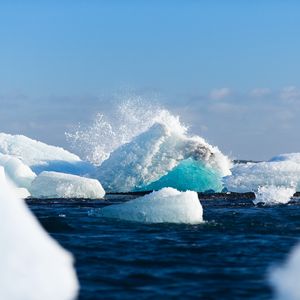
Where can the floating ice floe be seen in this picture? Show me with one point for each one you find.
(21, 175)
(280, 171)
(285, 279)
(33, 265)
(60, 185)
(167, 205)
(270, 195)
(42, 157)
(164, 156)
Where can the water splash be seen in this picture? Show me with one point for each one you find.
(129, 118)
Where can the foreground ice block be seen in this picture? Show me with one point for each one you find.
(60, 185)
(42, 157)
(164, 156)
(281, 171)
(167, 205)
(285, 279)
(33, 265)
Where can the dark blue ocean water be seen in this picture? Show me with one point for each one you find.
(228, 257)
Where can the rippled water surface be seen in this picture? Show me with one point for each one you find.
(227, 257)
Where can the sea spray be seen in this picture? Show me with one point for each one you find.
(129, 118)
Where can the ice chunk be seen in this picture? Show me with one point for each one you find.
(42, 157)
(281, 171)
(285, 279)
(22, 193)
(158, 151)
(60, 185)
(17, 171)
(33, 265)
(167, 205)
(270, 195)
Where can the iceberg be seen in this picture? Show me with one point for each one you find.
(285, 279)
(166, 205)
(270, 195)
(60, 185)
(33, 265)
(164, 156)
(42, 157)
(281, 171)
(21, 175)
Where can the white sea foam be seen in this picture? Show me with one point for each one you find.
(270, 195)
(167, 205)
(33, 265)
(285, 279)
(60, 185)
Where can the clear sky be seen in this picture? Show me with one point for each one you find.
(231, 69)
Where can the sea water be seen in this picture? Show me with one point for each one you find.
(229, 256)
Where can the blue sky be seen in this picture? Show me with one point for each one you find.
(229, 68)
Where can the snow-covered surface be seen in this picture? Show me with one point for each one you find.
(285, 279)
(157, 151)
(60, 185)
(167, 205)
(33, 265)
(17, 171)
(42, 157)
(281, 171)
(270, 195)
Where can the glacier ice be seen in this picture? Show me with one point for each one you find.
(17, 171)
(166, 205)
(60, 185)
(33, 265)
(281, 171)
(270, 195)
(285, 279)
(42, 157)
(164, 150)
